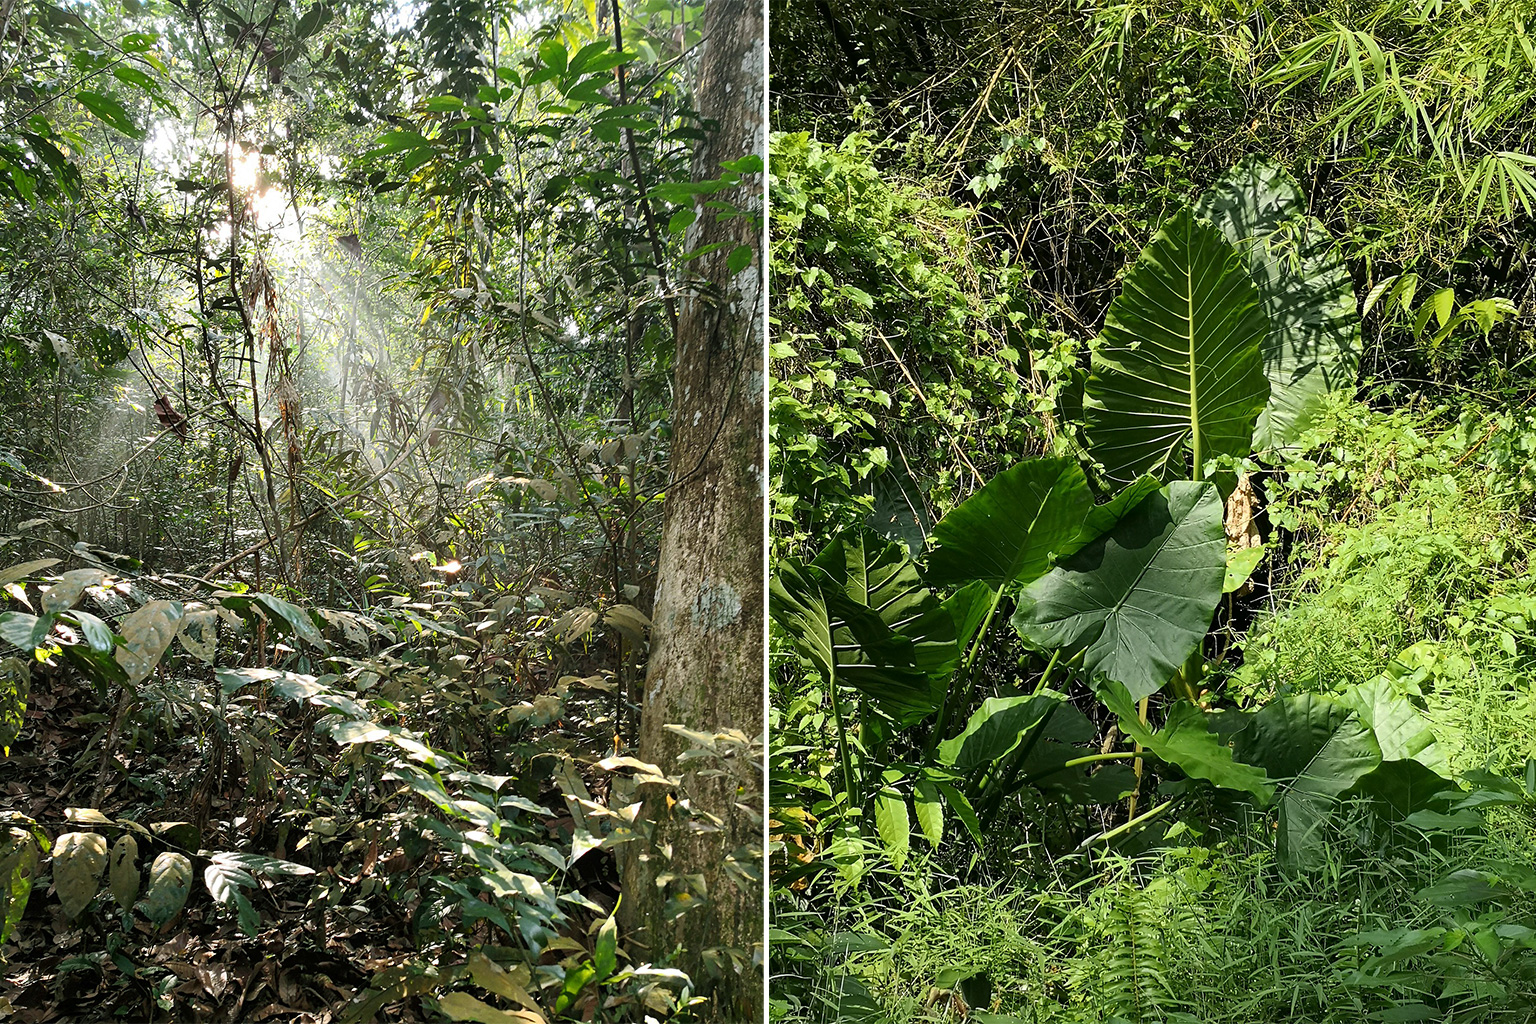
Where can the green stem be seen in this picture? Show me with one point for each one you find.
(1045, 677)
(947, 711)
(1135, 822)
(842, 748)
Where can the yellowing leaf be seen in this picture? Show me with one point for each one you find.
(78, 861)
(492, 977)
(123, 874)
(463, 1006)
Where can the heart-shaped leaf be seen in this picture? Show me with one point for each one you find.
(1136, 602)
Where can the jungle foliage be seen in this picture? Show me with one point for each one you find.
(337, 347)
(1151, 516)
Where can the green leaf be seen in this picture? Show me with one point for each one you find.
(314, 20)
(1179, 370)
(1186, 740)
(1136, 602)
(739, 259)
(79, 858)
(930, 811)
(110, 111)
(170, 881)
(25, 631)
(893, 824)
(995, 729)
(61, 597)
(860, 614)
(18, 861)
(1316, 749)
(1400, 730)
(1313, 344)
(605, 951)
(296, 620)
(1006, 533)
(25, 569)
(146, 634)
(1240, 566)
(554, 55)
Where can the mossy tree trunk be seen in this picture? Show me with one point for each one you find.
(706, 666)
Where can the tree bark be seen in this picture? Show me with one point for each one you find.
(706, 666)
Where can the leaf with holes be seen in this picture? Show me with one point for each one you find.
(146, 634)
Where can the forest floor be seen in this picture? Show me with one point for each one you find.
(361, 935)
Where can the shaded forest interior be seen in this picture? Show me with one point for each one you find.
(343, 346)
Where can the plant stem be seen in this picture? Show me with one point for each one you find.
(842, 748)
(947, 711)
(1120, 830)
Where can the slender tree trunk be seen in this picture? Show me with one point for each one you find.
(706, 667)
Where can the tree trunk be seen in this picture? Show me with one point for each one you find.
(706, 666)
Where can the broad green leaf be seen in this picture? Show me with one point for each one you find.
(1179, 371)
(554, 55)
(123, 871)
(995, 729)
(1404, 788)
(1005, 534)
(292, 619)
(61, 597)
(930, 811)
(314, 19)
(110, 111)
(1400, 730)
(79, 858)
(18, 861)
(893, 824)
(25, 569)
(1136, 602)
(25, 631)
(860, 614)
(1186, 740)
(1316, 749)
(146, 634)
(98, 635)
(605, 951)
(1313, 343)
(199, 634)
(170, 881)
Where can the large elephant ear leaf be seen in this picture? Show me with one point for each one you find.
(1313, 344)
(1179, 375)
(861, 616)
(1005, 533)
(1317, 749)
(1138, 600)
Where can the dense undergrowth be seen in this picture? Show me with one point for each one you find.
(1324, 807)
(337, 357)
